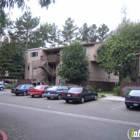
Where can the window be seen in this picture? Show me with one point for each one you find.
(34, 54)
(28, 68)
(65, 88)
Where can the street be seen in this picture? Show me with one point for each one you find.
(26, 118)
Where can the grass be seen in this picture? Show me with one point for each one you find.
(101, 95)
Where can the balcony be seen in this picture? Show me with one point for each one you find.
(53, 58)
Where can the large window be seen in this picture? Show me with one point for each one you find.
(34, 54)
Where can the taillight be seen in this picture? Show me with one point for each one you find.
(74, 95)
(63, 94)
(127, 98)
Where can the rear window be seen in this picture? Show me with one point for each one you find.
(135, 93)
(21, 86)
(38, 87)
(76, 90)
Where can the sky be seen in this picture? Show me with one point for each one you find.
(85, 11)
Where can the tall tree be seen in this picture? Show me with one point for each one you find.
(84, 31)
(117, 53)
(24, 28)
(21, 4)
(102, 32)
(93, 33)
(69, 31)
(74, 62)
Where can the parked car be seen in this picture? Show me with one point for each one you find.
(56, 91)
(133, 99)
(38, 90)
(80, 94)
(2, 87)
(22, 89)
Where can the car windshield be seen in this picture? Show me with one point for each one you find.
(20, 86)
(76, 90)
(135, 93)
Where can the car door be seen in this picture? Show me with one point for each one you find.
(59, 90)
(91, 94)
(86, 94)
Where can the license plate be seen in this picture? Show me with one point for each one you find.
(135, 104)
(68, 94)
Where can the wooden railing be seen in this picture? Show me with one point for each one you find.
(53, 58)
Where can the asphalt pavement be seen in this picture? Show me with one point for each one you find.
(26, 118)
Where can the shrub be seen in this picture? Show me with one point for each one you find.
(101, 95)
(11, 85)
(127, 89)
(91, 87)
(117, 90)
(99, 90)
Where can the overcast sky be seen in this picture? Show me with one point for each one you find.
(85, 11)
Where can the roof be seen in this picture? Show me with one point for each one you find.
(137, 54)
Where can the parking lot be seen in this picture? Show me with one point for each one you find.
(105, 112)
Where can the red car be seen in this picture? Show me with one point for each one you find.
(38, 90)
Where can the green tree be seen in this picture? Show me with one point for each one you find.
(12, 63)
(69, 31)
(116, 55)
(74, 62)
(93, 33)
(21, 4)
(24, 28)
(102, 32)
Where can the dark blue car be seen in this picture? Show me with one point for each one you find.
(22, 89)
(133, 99)
(56, 91)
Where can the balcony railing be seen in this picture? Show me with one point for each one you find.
(53, 58)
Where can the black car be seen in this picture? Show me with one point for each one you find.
(22, 89)
(79, 94)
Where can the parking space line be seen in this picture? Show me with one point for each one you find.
(116, 107)
(73, 115)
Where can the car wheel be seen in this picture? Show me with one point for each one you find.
(59, 97)
(33, 96)
(48, 97)
(24, 93)
(95, 97)
(67, 101)
(82, 100)
(42, 95)
(1, 89)
(128, 106)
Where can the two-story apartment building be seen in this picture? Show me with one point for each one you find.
(41, 65)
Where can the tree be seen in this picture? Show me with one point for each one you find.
(74, 62)
(84, 31)
(93, 33)
(102, 32)
(116, 55)
(70, 31)
(12, 63)
(21, 4)
(24, 28)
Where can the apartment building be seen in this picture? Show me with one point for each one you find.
(41, 65)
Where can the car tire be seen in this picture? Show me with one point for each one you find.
(59, 97)
(24, 93)
(67, 101)
(48, 97)
(42, 95)
(1, 89)
(95, 97)
(82, 100)
(128, 106)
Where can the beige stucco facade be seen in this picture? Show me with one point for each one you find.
(41, 65)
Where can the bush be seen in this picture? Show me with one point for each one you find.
(11, 85)
(91, 87)
(127, 89)
(117, 90)
(101, 95)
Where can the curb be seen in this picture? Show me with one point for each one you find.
(3, 135)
